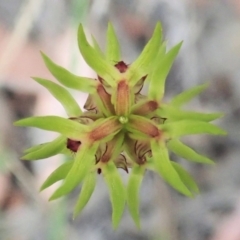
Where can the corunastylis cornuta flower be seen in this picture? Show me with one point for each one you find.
(120, 127)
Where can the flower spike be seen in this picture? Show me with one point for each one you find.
(120, 128)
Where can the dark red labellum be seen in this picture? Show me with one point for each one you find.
(121, 66)
(73, 145)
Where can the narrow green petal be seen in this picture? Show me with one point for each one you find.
(188, 127)
(186, 178)
(41, 146)
(97, 48)
(133, 188)
(87, 189)
(161, 54)
(35, 148)
(68, 79)
(116, 190)
(83, 162)
(142, 66)
(47, 149)
(172, 113)
(166, 170)
(103, 68)
(57, 175)
(68, 128)
(63, 96)
(113, 52)
(187, 95)
(159, 75)
(186, 152)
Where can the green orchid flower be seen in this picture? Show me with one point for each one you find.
(120, 127)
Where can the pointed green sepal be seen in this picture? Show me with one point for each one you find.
(97, 47)
(116, 190)
(173, 114)
(35, 148)
(160, 55)
(113, 52)
(160, 72)
(83, 162)
(143, 64)
(186, 178)
(68, 79)
(166, 170)
(187, 95)
(68, 128)
(47, 149)
(87, 189)
(184, 151)
(189, 127)
(133, 188)
(57, 175)
(63, 96)
(103, 68)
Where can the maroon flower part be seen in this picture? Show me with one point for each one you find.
(138, 87)
(73, 145)
(105, 99)
(121, 66)
(121, 162)
(143, 151)
(139, 150)
(90, 104)
(111, 151)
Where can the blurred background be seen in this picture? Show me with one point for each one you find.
(210, 53)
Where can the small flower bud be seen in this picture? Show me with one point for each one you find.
(106, 99)
(123, 98)
(107, 128)
(143, 125)
(145, 108)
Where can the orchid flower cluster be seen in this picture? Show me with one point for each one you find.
(120, 127)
